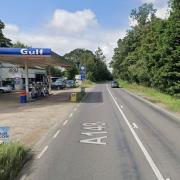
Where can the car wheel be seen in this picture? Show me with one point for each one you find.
(1, 91)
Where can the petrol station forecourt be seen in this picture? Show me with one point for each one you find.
(32, 58)
(30, 122)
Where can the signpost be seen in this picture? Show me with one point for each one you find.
(4, 134)
(83, 73)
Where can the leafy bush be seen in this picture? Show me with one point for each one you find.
(12, 158)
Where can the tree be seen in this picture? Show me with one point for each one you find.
(144, 14)
(54, 71)
(4, 42)
(149, 53)
(169, 72)
(19, 44)
(96, 69)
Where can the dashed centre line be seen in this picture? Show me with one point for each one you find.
(56, 134)
(65, 122)
(42, 152)
(70, 115)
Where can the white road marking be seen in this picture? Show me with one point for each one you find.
(168, 179)
(96, 128)
(42, 152)
(56, 134)
(95, 140)
(65, 122)
(23, 177)
(92, 133)
(143, 149)
(135, 126)
(70, 115)
(121, 106)
(94, 124)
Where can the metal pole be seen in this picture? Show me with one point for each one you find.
(26, 79)
(49, 74)
(0, 74)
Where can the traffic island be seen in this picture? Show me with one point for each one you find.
(13, 156)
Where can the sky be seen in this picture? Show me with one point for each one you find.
(64, 25)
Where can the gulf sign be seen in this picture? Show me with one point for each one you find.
(25, 51)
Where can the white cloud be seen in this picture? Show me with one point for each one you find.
(161, 6)
(62, 42)
(11, 29)
(132, 22)
(163, 12)
(72, 22)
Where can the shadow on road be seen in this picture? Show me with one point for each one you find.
(93, 97)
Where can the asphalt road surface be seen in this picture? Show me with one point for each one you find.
(111, 136)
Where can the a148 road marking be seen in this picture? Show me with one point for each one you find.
(94, 132)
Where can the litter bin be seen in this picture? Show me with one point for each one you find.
(23, 97)
(73, 97)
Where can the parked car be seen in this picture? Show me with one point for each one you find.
(114, 84)
(5, 89)
(58, 84)
(70, 84)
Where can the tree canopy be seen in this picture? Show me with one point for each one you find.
(149, 54)
(96, 68)
(4, 42)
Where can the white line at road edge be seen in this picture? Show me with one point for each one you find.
(42, 152)
(145, 152)
(65, 122)
(56, 134)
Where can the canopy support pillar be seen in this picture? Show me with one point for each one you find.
(26, 80)
(49, 74)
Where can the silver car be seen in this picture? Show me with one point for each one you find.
(5, 89)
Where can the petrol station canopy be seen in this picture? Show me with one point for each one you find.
(34, 57)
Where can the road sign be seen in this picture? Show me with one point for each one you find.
(83, 72)
(26, 51)
(4, 134)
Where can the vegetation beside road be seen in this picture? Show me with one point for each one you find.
(12, 158)
(87, 83)
(94, 63)
(153, 95)
(149, 53)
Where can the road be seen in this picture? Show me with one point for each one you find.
(111, 135)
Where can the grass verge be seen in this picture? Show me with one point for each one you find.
(153, 95)
(87, 83)
(12, 158)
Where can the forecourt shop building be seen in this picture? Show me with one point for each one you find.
(31, 58)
